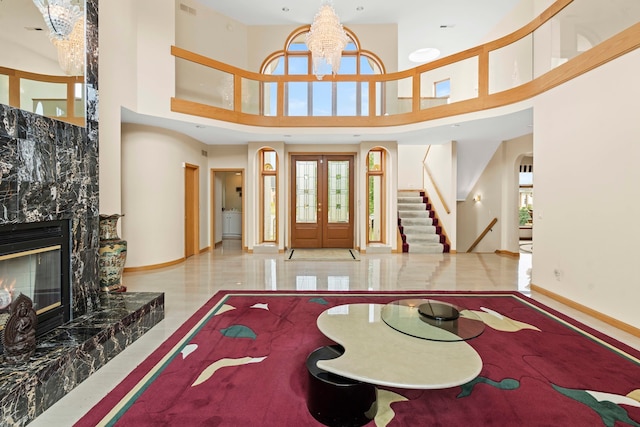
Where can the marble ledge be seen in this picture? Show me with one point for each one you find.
(72, 352)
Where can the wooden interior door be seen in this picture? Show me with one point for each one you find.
(322, 201)
(191, 211)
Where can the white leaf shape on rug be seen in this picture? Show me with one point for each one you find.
(495, 313)
(188, 349)
(385, 414)
(613, 398)
(501, 322)
(264, 306)
(224, 309)
(223, 363)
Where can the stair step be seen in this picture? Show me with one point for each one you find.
(435, 248)
(419, 229)
(407, 222)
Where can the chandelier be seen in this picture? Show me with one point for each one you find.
(326, 40)
(60, 16)
(71, 50)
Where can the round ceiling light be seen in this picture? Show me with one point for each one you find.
(424, 55)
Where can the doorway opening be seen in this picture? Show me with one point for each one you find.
(227, 206)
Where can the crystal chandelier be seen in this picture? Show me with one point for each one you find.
(326, 40)
(60, 16)
(71, 50)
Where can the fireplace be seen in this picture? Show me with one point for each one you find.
(35, 261)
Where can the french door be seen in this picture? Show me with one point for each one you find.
(322, 201)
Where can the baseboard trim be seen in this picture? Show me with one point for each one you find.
(586, 310)
(204, 250)
(153, 267)
(508, 253)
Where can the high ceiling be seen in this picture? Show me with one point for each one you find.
(420, 22)
(450, 26)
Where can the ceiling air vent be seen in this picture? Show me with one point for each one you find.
(187, 9)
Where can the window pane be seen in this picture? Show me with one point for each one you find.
(275, 67)
(297, 99)
(347, 98)
(443, 88)
(375, 208)
(375, 160)
(368, 66)
(347, 65)
(306, 191)
(338, 191)
(351, 46)
(269, 208)
(322, 96)
(298, 65)
(269, 160)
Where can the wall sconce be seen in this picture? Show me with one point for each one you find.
(477, 198)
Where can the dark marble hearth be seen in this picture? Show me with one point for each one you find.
(72, 352)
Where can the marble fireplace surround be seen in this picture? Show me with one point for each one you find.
(49, 171)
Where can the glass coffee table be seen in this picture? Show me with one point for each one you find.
(432, 320)
(390, 345)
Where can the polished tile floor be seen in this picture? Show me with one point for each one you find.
(189, 285)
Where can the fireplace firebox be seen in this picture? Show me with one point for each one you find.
(35, 260)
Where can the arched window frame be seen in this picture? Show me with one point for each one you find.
(287, 55)
(268, 171)
(376, 171)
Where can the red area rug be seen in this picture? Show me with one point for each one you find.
(240, 360)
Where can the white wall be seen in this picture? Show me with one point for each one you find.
(586, 179)
(153, 193)
(117, 68)
(498, 190)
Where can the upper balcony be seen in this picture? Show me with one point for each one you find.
(567, 40)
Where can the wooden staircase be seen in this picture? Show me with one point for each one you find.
(418, 226)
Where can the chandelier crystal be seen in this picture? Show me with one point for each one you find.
(60, 16)
(326, 40)
(71, 51)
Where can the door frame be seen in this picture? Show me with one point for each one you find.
(352, 184)
(216, 214)
(191, 210)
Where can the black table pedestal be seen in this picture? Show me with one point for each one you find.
(334, 400)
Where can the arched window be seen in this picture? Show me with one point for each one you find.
(320, 98)
(268, 195)
(375, 192)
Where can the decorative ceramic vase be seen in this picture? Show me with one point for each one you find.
(112, 254)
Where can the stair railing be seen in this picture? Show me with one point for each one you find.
(433, 182)
(484, 233)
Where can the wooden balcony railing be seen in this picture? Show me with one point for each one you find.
(252, 96)
(27, 90)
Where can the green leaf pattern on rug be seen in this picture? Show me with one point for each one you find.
(320, 301)
(238, 331)
(609, 412)
(505, 384)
